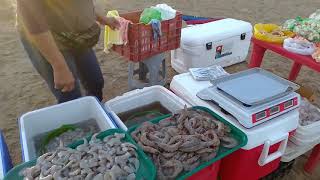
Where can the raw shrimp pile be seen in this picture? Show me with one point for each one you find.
(183, 141)
(109, 159)
(308, 113)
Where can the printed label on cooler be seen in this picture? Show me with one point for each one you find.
(224, 49)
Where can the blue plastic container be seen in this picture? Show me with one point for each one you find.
(5, 160)
(192, 18)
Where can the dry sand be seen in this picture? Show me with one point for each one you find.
(23, 90)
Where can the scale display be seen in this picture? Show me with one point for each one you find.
(274, 110)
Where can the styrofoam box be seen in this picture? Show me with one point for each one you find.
(224, 42)
(186, 87)
(141, 97)
(50, 118)
(293, 151)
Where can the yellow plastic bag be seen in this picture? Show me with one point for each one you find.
(271, 33)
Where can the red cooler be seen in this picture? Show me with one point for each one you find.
(266, 142)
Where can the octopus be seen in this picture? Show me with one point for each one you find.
(106, 159)
(183, 141)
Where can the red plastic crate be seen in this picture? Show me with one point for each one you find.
(141, 44)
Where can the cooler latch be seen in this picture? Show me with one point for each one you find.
(243, 36)
(209, 46)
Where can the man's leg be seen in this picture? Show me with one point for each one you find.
(45, 70)
(90, 73)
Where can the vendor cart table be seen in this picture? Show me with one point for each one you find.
(258, 50)
(260, 47)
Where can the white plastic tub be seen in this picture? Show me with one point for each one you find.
(50, 118)
(293, 151)
(304, 141)
(141, 97)
(309, 134)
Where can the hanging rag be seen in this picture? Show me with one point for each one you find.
(118, 36)
(156, 27)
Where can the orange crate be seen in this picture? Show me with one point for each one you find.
(141, 44)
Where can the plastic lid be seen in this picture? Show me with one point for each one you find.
(200, 34)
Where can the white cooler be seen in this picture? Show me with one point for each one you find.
(223, 42)
(44, 120)
(266, 142)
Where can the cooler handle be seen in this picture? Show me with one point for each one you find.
(265, 157)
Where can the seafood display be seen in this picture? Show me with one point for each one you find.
(182, 142)
(107, 159)
(308, 113)
(49, 142)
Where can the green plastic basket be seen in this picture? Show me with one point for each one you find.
(235, 133)
(146, 170)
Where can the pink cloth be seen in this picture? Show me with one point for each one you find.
(124, 27)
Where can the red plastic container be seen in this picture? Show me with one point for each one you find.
(209, 173)
(248, 161)
(141, 44)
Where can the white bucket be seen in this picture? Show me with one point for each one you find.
(49, 118)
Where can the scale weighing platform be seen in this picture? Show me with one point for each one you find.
(253, 96)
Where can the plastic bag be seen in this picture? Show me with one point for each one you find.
(299, 46)
(209, 73)
(271, 33)
(167, 12)
(315, 15)
(306, 27)
(148, 14)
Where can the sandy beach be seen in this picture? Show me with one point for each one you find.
(22, 89)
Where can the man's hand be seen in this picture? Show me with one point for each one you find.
(63, 79)
(112, 22)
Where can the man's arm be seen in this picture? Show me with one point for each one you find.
(63, 78)
(32, 16)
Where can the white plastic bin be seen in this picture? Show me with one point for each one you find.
(141, 97)
(309, 134)
(224, 42)
(293, 151)
(5, 160)
(306, 140)
(50, 118)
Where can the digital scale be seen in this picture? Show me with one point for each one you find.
(252, 96)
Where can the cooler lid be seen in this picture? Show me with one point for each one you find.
(214, 31)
